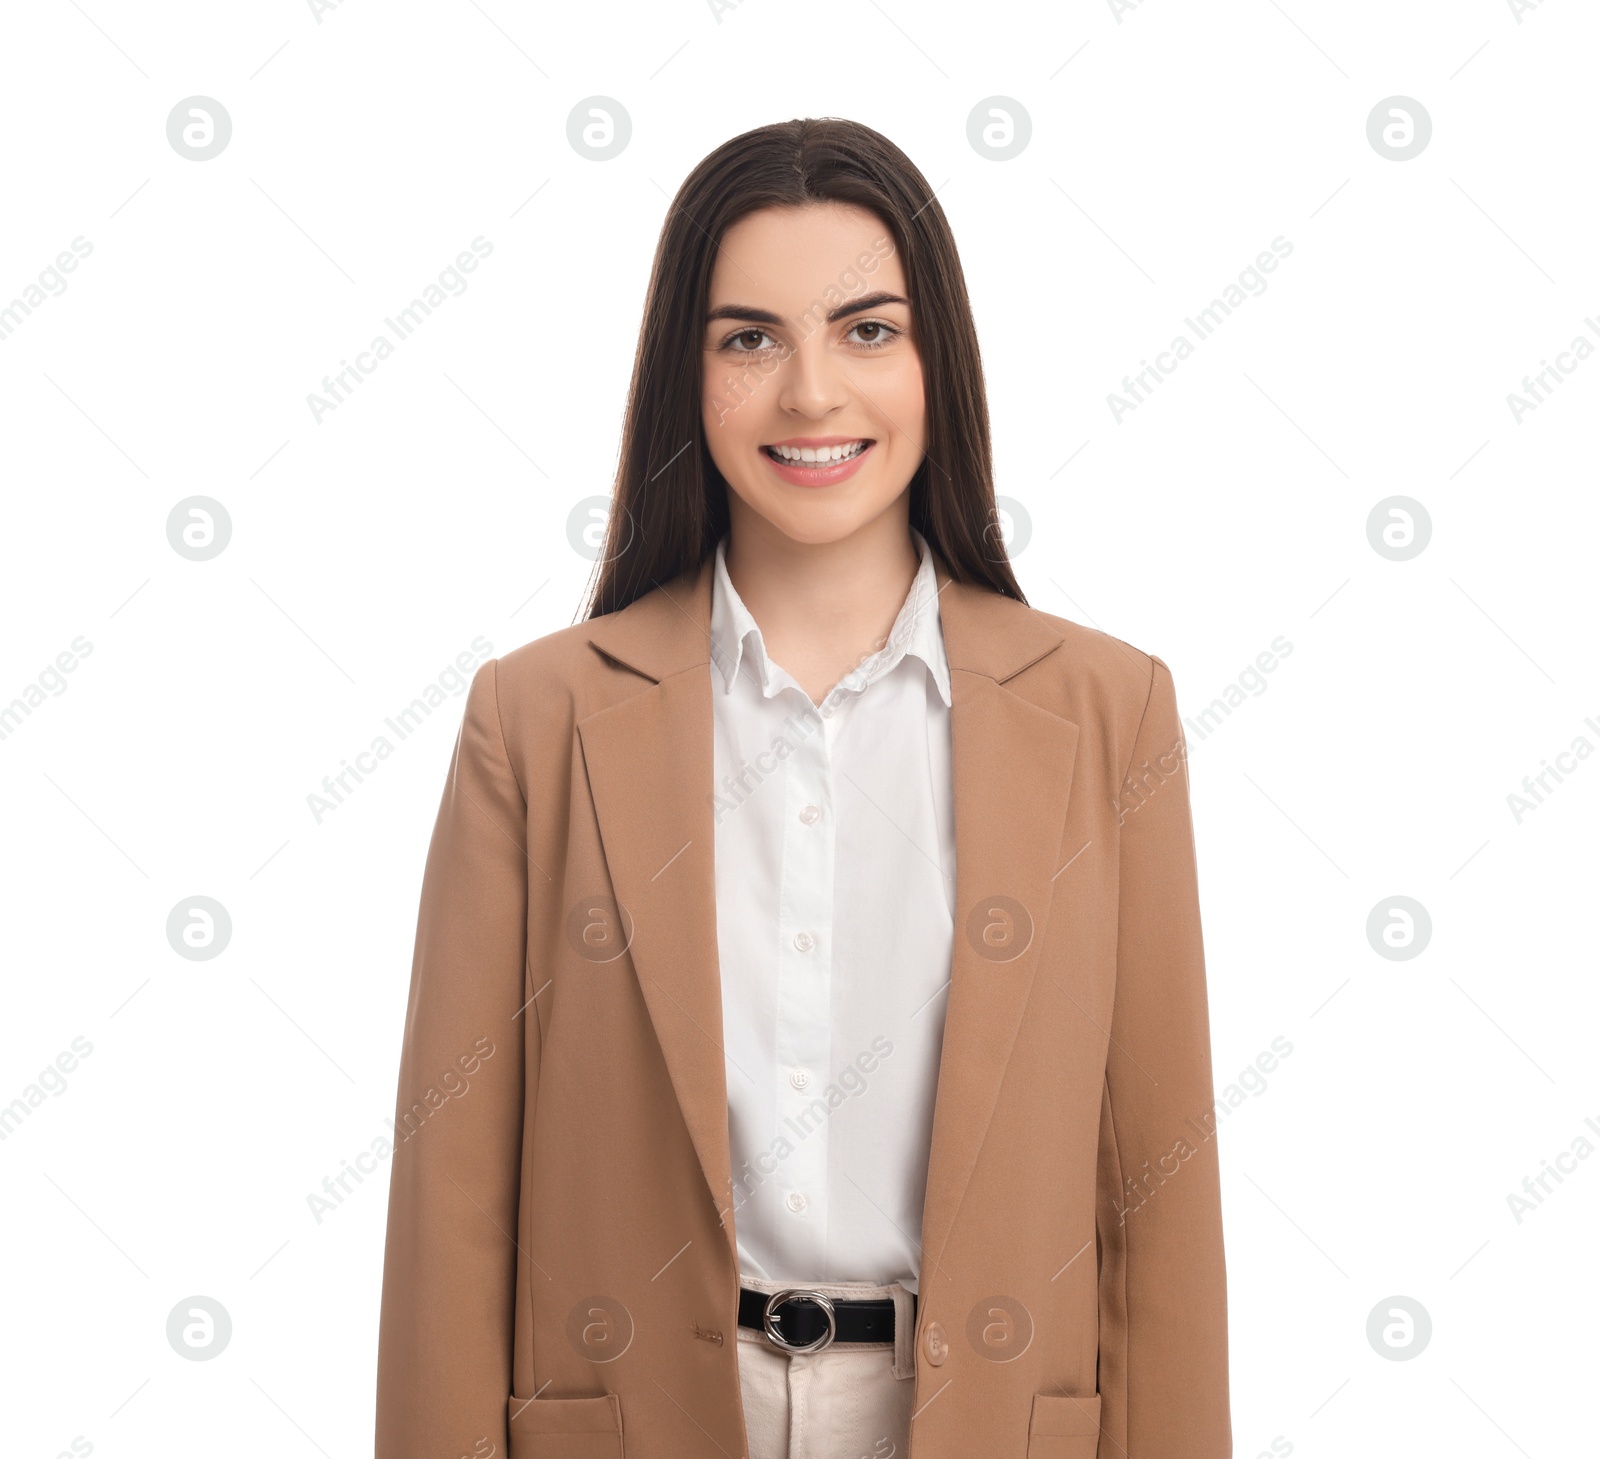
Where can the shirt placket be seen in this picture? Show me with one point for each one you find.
(804, 1049)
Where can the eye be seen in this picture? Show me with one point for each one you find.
(739, 342)
(878, 333)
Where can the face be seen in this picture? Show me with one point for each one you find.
(811, 380)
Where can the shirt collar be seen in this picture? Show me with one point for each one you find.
(916, 633)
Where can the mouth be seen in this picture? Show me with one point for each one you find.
(819, 464)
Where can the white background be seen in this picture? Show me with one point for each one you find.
(1170, 146)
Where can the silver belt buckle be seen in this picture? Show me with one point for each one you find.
(769, 1319)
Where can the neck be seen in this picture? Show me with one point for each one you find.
(822, 606)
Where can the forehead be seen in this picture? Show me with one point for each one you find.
(784, 259)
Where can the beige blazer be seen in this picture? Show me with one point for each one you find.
(560, 1279)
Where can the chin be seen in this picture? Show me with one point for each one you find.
(817, 534)
(817, 523)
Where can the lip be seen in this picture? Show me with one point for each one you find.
(798, 473)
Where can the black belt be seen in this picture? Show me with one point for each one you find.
(805, 1321)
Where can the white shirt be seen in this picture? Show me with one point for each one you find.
(835, 877)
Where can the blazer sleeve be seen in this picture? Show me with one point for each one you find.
(1163, 1289)
(449, 1271)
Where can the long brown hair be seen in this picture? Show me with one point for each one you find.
(669, 506)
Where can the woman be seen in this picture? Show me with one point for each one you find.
(830, 918)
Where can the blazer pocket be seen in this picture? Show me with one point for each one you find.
(566, 1428)
(1064, 1426)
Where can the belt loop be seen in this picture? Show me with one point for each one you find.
(905, 1333)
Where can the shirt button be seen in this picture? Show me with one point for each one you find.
(804, 941)
(810, 816)
(799, 1078)
(934, 1344)
(797, 1202)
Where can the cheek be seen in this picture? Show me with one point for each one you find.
(721, 414)
(719, 425)
(910, 403)
(710, 410)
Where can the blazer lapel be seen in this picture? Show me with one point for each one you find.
(1011, 767)
(649, 762)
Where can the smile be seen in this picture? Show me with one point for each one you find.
(820, 465)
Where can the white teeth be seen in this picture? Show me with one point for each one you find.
(818, 454)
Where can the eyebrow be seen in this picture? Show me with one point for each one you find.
(751, 315)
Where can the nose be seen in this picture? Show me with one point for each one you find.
(812, 381)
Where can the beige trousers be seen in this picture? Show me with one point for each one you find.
(852, 1400)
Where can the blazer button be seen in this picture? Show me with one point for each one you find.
(934, 1344)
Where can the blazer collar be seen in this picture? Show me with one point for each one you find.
(668, 630)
